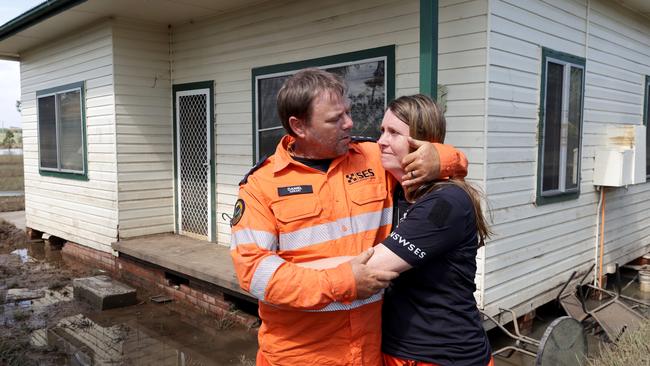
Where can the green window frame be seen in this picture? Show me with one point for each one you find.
(646, 119)
(267, 80)
(61, 131)
(561, 117)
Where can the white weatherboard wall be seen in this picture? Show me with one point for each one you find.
(81, 211)
(462, 48)
(144, 128)
(226, 48)
(536, 248)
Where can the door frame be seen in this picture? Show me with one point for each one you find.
(212, 219)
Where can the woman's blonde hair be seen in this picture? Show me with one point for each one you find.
(427, 122)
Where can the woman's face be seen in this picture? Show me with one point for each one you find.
(393, 144)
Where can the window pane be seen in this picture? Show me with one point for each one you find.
(267, 98)
(70, 131)
(573, 132)
(268, 140)
(47, 132)
(366, 91)
(552, 126)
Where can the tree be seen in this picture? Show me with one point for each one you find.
(8, 141)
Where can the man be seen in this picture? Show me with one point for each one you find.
(320, 195)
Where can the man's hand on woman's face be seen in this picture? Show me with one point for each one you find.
(422, 165)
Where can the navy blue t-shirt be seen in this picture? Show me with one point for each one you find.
(429, 311)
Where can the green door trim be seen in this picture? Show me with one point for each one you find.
(429, 48)
(213, 214)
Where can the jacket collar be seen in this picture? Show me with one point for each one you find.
(283, 158)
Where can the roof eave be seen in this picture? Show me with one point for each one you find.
(35, 16)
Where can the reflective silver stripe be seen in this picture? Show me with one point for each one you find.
(337, 306)
(334, 230)
(263, 239)
(263, 274)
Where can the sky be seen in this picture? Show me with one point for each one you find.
(10, 70)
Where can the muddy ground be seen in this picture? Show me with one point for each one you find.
(20, 319)
(42, 324)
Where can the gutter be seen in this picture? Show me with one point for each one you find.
(36, 15)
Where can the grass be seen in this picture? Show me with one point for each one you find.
(632, 349)
(8, 204)
(11, 179)
(11, 176)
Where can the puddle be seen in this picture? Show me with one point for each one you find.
(149, 335)
(23, 254)
(55, 329)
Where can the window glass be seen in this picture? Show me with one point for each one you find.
(560, 128)
(552, 126)
(71, 142)
(47, 131)
(61, 130)
(366, 81)
(268, 90)
(269, 140)
(573, 128)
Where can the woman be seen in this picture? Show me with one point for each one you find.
(430, 315)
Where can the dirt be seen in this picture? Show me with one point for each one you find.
(52, 328)
(20, 320)
(10, 236)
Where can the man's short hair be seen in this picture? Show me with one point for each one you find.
(298, 92)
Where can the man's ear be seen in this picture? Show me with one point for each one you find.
(297, 126)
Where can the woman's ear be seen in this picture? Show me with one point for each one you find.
(297, 126)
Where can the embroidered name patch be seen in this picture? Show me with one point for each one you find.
(288, 191)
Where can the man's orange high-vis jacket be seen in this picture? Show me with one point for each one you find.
(289, 213)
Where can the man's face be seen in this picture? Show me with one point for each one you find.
(327, 134)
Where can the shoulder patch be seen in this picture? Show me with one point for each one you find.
(363, 139)
(253, 169)
(440, 212)
(240, 206)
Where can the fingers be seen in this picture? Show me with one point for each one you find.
(415, 143)
(363, 257)
(385, 276)
(411, 180)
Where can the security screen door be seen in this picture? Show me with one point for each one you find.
(193, 163)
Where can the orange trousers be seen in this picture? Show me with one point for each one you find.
(394, 361)
(388, 360)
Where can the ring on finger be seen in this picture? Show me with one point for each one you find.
(413, 174)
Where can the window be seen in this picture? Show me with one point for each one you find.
(369, 74)
(646, 119)
(61, 131)
(560, 124)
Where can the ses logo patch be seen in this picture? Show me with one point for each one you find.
(359, 176)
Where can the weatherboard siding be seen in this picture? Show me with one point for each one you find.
(535, 248)
(226, 48)
(81, 211)
(143, 110)
(462, 49)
